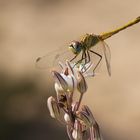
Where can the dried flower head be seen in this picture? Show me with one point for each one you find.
(79, 121)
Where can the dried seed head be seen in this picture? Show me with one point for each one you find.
(53, 107)
(81, 125)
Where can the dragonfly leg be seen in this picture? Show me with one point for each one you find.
(83, 57)
(88, 57)
(98, 61)
(87, 60)
(73, 58)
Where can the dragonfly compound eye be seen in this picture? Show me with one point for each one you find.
(75, 47)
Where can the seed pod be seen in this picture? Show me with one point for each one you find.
(81, 85)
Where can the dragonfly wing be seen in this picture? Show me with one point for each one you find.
(101, 49)
(107, 55)
(48, 61)
(52, 59)
(96, 53)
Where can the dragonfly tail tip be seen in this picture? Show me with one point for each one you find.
(38, 59)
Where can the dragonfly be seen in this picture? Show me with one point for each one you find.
(82, 50)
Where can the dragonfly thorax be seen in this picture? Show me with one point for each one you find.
(90, 40)
(87, 41)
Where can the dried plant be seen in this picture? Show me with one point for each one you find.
(78, 119)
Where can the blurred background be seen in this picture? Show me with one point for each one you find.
(31, 28)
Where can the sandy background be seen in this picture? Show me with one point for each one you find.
(30, 28)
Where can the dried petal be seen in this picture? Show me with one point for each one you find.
(53, 107)
(69, 132)
(64, 97)
(67, 118)
(86, 135)
(88, 111)
(74, 106)
(77, 131)
(61, 95)
(95, 130)
(83, 117)
(61, 80)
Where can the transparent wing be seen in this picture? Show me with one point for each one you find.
(48, 60)
(101, 49)
(107, 55)
(52, 59)
(96, 53)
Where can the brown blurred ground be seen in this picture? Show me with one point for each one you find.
(30, 28)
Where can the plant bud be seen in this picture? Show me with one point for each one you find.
(81, 85)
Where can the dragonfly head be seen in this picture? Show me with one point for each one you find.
(75, 47)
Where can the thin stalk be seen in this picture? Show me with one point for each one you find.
(80, 99)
